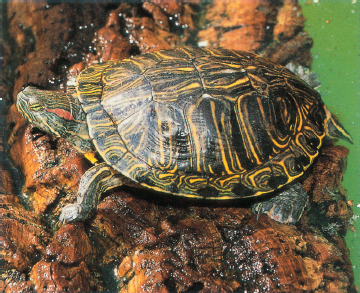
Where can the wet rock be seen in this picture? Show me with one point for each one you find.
(132, 29)
(47, 38)
(38, 70)
(323, 178)
(160, 19)
(289, 22)
(55, 277)
(70, 245)
(7, 186)
(238, 25)
(329, 210)
(16, 282)
(296, 50)
(147, 33)
(51, 168)
(111, 45)
(214, 249)
(24, 235)
(163, 271)
(273, 31)
(138, 228)
(181, 18)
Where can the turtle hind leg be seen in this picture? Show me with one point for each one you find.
(93, 183)
(286, 207)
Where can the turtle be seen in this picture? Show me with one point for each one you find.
(212, 124)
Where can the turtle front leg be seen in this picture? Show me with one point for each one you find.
(286, 207)
(93, 183)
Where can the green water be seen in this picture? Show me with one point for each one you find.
(335, 29)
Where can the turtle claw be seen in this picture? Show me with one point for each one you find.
(72, 213)
(258, 210)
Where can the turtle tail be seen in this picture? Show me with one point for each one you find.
(334, 129)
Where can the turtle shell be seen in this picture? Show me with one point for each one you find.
(209, 123)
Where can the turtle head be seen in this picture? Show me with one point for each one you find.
(56, 113)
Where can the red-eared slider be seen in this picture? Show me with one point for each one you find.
(203, 123)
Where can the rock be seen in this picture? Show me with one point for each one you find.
(50, 36)
(273, 31)
(55, 277)
(296, 50)
(238, 25)
(70, 245)
(111, 45)
(16, 282)
(24, 235)
(290, 21)
(51, 167)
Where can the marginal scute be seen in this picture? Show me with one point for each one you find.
(144, 178)
(172, 188)
(241, 190)
(276, 181)
(208, 192)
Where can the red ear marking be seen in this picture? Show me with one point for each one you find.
(62, 113)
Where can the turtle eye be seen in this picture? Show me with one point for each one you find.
(36, 105)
